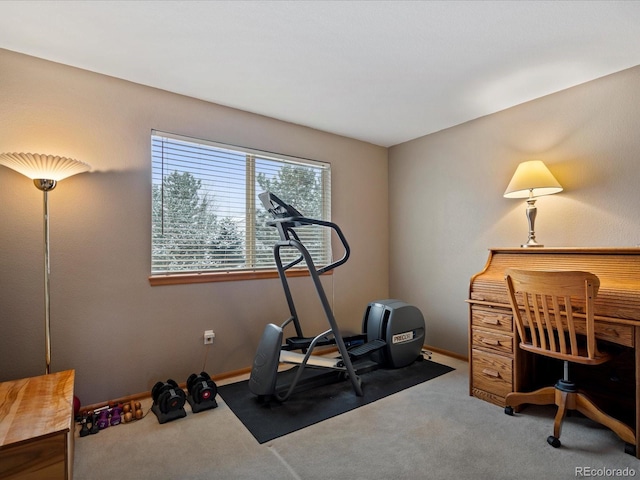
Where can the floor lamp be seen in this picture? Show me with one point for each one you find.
(45, 171)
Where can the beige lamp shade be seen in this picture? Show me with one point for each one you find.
(532, 178)
(37, 166)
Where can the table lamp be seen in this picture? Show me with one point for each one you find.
(532, 179)
(45, 171)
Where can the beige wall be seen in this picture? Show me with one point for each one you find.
(445, 192)
(420, 238)
(120, 334)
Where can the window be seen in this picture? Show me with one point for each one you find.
(206, 214)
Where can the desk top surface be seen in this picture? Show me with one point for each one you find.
(617, 267)
(576, 250)
(35, 407)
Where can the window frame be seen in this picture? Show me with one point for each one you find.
(248, 273)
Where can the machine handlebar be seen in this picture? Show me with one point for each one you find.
(286, 218)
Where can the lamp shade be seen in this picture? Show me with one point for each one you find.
(37, 166)
(532, 178)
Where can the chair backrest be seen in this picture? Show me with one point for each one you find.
(553, 311)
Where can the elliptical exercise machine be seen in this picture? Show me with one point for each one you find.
(393, 331)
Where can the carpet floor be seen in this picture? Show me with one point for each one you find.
(433, 431)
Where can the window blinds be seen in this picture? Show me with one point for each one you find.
(206, 214)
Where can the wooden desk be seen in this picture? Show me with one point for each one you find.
(37, 427)
(498, 366)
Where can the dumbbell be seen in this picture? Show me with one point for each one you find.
(202, 392)
(132, 411)
(103, 419)
(201, 387)
(116, 415)
(168, 396)
(92, 422)
(84, 430)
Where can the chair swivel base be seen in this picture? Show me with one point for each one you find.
(566, 386)
(567, 398)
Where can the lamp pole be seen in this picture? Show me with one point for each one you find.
(532, 210)
(46, 186)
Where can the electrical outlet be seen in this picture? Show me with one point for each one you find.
(208, 337)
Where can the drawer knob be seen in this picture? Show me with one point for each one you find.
(491, 373)
(490, 341)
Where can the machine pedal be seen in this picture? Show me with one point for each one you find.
(300, 343)
(366, 348)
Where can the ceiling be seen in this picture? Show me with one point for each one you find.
(384, 72)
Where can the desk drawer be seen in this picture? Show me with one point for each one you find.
(496, 319)
(610, 332)
(492, 373)
(496, 342)
(620, 334)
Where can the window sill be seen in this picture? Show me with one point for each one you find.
(207, 277)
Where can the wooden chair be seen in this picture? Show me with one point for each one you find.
(550, 309)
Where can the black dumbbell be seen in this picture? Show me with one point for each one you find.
(201, 387)
(168, 396)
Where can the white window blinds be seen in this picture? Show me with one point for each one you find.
(206, 214)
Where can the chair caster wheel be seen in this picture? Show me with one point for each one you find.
(508, 410)
(630, 449)
(553, 441)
